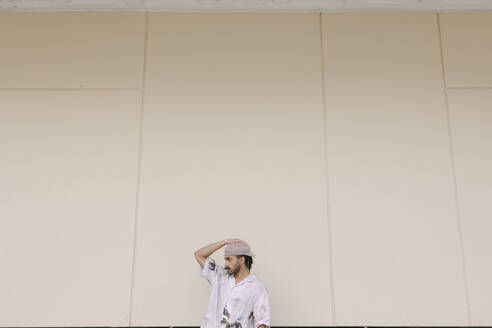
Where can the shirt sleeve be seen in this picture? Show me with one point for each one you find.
(211, 271)
(261, 310)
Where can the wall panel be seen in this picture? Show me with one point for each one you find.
(396, 253)
(471, 126)
(467, 48)
(232, 147)
(69, 174)
(71, 50)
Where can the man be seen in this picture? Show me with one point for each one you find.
(238, 298)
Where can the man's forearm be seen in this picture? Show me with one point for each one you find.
(208, 250)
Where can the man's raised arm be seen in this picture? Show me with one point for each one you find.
(204, 252)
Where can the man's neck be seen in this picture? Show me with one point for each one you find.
(241, 275)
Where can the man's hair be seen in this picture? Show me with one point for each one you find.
(248, 260)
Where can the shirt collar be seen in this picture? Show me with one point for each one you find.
(250, 278)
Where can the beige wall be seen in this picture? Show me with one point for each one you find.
(351, 150)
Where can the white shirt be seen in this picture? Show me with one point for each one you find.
(245, 305)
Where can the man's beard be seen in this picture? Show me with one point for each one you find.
(232, 271)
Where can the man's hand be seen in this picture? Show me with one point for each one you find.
(235, 240)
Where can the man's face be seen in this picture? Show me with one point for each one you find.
(232, 265)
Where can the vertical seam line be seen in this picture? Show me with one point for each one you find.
(453, 167)
(325, 148)
(137, 195)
